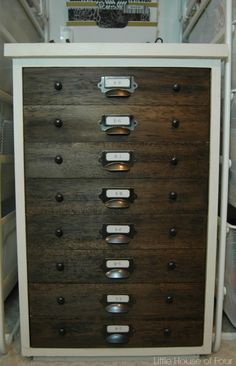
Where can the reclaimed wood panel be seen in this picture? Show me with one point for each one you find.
(154, 123)
(148, 160)
(88, 266)
(81, 196)
(87, 302)
(161, 265)
(79, 86)
(151, 232)
(45, 333)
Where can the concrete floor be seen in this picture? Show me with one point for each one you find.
(226, 356)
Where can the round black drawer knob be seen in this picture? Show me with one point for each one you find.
(59, 197)
(171, 266)
(60, 267)
(61, 300)
(175, 123)
(169, 299)
(167, 332)
(174, 161)
(61, 331)
(173, 196)
(58, 85)
(59, 232)
(58, 159)
(176, 87)
(58, 123)
(173, 231)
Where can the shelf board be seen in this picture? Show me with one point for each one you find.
(110, 50)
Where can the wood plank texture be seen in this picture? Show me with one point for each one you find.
(73, 265)
(44, 333)
(84, 232)
(83, 160)
(81, 196)
(88, 266)
(154, 123)
(87, 302)
(79, 86)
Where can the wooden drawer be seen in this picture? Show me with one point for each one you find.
(96, 232)
(82, 196)
(154, 124)
(98, 266)
(73, 334)
(116, 160)
(87, 302)
(79, 86)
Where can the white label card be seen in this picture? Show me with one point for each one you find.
(118, 156)
(117, 82)
(118, 329)
(117, 193)
(117, 120)
(114, 229)
(117, 263)
(118, 298)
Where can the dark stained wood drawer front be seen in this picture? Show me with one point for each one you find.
(79, 86)
(106, 160)
(71, 334)
(62, 124)
(82, 196)
(96, 165)
(97, 266)
(147, 232)
(87, 302)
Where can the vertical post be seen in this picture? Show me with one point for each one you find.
(45, 9)
(2, 315)
(224, 181)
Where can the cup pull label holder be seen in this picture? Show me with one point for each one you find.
(109, 156)
(119, 124)
(117, 193)
(117, 304)
(108, 83)
(118, 329)
(117, 198)
(118, 268)
(118, 334)
(109, 300)
(117, 161)
(122, 229)
(117, 299)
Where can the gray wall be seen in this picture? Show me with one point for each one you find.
(14, 19)
(168, 28)
(211, 23)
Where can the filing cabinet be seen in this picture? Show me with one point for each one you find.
(109, 178)
(120, 181)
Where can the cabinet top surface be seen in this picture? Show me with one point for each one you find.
(130, 50)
